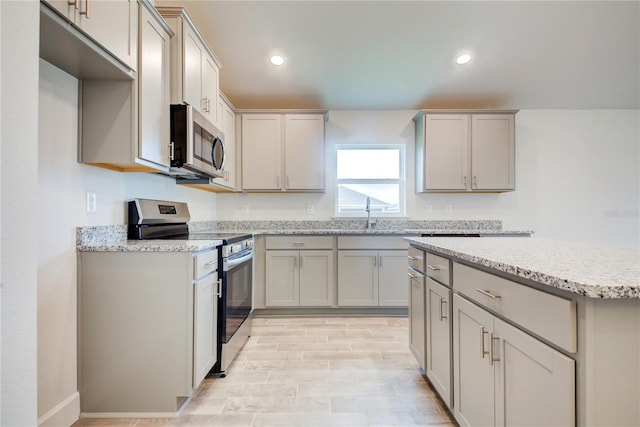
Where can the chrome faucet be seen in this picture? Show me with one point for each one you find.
(370, 224)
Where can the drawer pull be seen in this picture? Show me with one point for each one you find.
(434, 268)
(210, 263)
(442, 315)
(414, 258)
(483, 352)
(298, 243)
(492, 357)
(417, 274)
(488, 293)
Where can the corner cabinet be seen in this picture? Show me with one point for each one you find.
(464, 150)
(125, 124)
(283, 152)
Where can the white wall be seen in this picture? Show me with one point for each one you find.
(19, 110)
(577, 176)
(62, 187)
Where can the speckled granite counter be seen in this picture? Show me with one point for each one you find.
(590, 270)
(114, 237)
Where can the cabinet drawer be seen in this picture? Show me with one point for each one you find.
(551, 317)
(299, 242)
(205, 263)
(416, 258)
(437, 267)
(372, 242)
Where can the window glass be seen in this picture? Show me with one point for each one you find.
(370, 171)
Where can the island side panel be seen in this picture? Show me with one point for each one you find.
(608, 369)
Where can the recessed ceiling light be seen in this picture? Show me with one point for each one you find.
(277, 60)
(463, 59)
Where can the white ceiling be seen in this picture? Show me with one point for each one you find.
(368, 55)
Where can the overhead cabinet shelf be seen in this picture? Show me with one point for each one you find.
(465, 151)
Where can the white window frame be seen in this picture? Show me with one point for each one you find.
(401, 181)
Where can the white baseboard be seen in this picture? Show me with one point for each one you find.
(63, 414)
(129, 415)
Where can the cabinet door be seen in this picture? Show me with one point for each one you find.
(282, 279)
(304, 151)
(438, 337)
(228, 127)
(204, 327)
(392, 291)
(316, 278)
(261, 161)
(493, 151)
(446, 163)
(472, 369)
(358, 278)
(192, 72)
(535, 384)
(113, 24)
(153, 86)
(209, 88)
(417, 319)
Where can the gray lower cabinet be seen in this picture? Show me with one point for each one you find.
(438, 339)
(299, 278)
(299, 271)
(504, 376)
(146, 329)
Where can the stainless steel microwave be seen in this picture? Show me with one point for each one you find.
(197, 146)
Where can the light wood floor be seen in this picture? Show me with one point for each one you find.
(314, 371)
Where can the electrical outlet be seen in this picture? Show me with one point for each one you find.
(245, 209)
(311, 209)
(448, 209)
(92, 202)
(428, 209)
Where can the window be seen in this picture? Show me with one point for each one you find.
(373, 171)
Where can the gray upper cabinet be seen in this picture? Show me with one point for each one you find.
(460, 150)
(125, 124)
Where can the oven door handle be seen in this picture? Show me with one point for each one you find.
(233, 262)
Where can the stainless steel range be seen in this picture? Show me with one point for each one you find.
(158, 219)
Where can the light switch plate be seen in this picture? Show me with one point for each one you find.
(92, 202)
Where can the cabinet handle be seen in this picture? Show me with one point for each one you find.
(278, 181)
(488, 293)
(172, 150)
(86, 9)
(492, 357)
(287, 181)
(380, 263)
(73, 3)
(375, 261)
(411, 275)
(464, 179)
(418, 274)
(475, 182)
(414, 258)
(204, 104)
(211, 263)
(483, 352)
(208, 105)
(444, 316)
(301, 262)
(219, 293)
(433, 268)
(298, 243)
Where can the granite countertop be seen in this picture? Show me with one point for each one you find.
(584, 269)
(150, 246)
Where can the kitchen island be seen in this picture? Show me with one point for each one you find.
(540, 331)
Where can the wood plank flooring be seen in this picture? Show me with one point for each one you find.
(314, 371)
